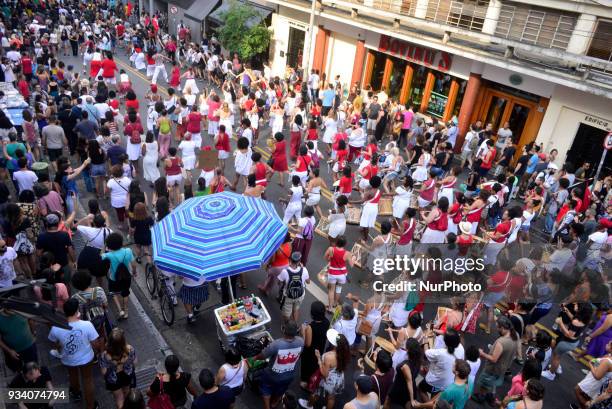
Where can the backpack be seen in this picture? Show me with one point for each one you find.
(308, 231)
(92, 312)
(295, 286)
(473, 145)
(135, 136)
(315, 159)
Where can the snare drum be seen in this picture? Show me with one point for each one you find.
(353, 215)
(385, 206)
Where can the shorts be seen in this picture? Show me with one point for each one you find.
(490, 381)
(271, 387)
(111, 81)
(98, 170)
(338, 279)
(54, 154)
(391, 175)
(120, 287)
(490, 299)
(123, 381)
(564, 347)
(371, 126)
(537, 314)
(121, 214)
(174, 180)
(291, 304)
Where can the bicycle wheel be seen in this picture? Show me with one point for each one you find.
(167, 308)
(151, 280)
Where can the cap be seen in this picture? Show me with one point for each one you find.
(296, 256)
(52, 219)
(332, 336)
(153, 87)
(465, 227)
(364, 383)
(605, 223)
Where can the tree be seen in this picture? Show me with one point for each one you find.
(236, 35)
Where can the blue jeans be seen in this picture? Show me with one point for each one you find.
(89, 183)
(71, 199)
(492, 221)
(549, 222)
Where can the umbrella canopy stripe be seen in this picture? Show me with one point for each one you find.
(217, 235)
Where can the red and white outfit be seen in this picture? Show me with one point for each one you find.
(174, 174)
(404, 244)
(447, 191)
(454, 217)
(370, 211)
(302, 169)
(260, 174)
(336, 271)
(427, 194)
(473, 217)
(108, 71)
(371, 171)
(223, 145)
(436, 229)
(504, 229)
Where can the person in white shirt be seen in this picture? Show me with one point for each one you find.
(294, 206)
(188, 155)
(119, 186)
(7, 270)
(242, 161)
(24, 177)
(75, 348)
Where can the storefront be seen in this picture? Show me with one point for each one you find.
(433, 81)
(576, 124)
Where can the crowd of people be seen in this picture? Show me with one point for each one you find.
(538, 231)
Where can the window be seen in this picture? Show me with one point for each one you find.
(468, 14)
(601, 46)
(536, 25)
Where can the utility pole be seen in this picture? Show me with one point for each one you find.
(307, 51)
(151, 7)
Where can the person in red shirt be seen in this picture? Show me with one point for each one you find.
(120, 30)
(487, 160)
(108, 70)
(496, 288)
(26, 66)
(222, 145)
(279, 158)
(341, 158)
(345, 185)
(24, 88)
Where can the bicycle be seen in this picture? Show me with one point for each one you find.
(158, 287)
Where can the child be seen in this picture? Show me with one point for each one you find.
(340, 153)
(203, 190)
(124, 83)
(312, 134)
(472, 356)
(294, 206)
(314, 154)
(345, 185)
(126, 165)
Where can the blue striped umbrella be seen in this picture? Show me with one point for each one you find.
(217, 236)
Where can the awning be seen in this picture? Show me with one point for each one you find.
(200, 9)
(262, 13)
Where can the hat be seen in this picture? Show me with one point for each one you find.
(332, 336)
(364, 383)
(296, 256)
(153, 87)
(52, 219)
(605, 223)
(465, 227)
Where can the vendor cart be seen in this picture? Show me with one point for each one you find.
(245, 318)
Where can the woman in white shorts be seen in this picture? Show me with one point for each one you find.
(315, 184)
(370, 208)
(294, 206)
(337, 257)
(174, 175)
(188, 155)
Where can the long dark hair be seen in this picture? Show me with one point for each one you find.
(343, 353)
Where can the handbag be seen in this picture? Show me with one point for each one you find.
(162, 399)
(22, 244)
(122, 273)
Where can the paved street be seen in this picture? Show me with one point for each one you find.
(197, 343)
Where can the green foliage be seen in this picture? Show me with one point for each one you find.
(236, 36)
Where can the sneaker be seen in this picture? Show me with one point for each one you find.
(548, 375)
(55, 353)
(190, 318)
(519, 361)
(304, 403)
(559, 370)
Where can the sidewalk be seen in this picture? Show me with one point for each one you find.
(140, 332)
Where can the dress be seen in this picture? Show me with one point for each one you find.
(133, 150)
(447, 191)
(277, 122)
(401, 202)
(370, 211)
(309, 362)
(280, 157)
(149, 162)
(314, 197)
(420, 173)
(597, 346)
(331, 128)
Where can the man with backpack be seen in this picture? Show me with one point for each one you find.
(293, 281)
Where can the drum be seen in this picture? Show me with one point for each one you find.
(354, 215)
(322, 275)
(322, 227)
(379, 343)
(385, 206)
(361, 255)
(41, 169)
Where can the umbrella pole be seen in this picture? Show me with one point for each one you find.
(231, 292)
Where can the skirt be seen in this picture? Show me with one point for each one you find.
(189, 162)
(134, 150)
(191, 83)
(364, 183)
(213, 127)
(193, 295)
(432, 236)
(368, 215)
(223, 155)
(423, 202)
(420, 174)
(452, 227)
(447, 192)
(98, 170)
(313, 199)
(399, 207)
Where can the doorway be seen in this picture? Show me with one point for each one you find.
(588, 147)
(295, 47)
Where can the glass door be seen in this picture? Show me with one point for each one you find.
(295, 47)
(495, 113)
(517, 119)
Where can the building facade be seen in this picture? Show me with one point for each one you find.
(543, 66)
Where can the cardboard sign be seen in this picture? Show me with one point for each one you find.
(208, 160)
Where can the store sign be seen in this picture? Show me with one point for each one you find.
(597, 122)
(436, 59)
